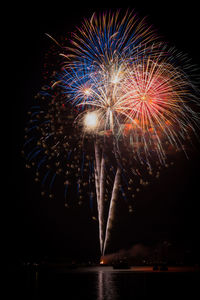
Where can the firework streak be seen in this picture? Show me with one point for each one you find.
(132, 103)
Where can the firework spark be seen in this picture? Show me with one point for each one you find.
(99, 40)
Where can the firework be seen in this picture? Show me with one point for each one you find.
(114, 112)
(159, 99)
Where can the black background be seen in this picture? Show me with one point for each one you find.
(37, 226)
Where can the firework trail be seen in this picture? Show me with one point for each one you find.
(112, 208)
(131, 104)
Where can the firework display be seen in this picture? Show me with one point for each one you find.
(109, 116)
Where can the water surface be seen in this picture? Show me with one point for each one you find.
(103, 283)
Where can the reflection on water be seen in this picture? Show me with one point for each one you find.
(116, 285)
(106, 286)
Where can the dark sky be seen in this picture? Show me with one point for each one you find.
(37, 226)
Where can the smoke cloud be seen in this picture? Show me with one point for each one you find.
(135, 251)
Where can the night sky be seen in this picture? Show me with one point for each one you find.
(38, 226)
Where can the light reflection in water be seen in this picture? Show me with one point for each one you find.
(106, 286)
